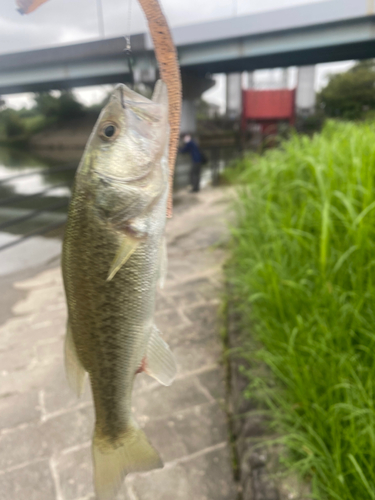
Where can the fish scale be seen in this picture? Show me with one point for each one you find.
(113, 258)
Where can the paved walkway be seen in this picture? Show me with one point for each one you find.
(46, 431)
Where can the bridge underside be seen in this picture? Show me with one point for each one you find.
(65, 84)
(306, 57)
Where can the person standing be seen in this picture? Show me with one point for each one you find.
(197, 159)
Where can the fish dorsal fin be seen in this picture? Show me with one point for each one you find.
(160, 95)
(128, 246)
(159, 361)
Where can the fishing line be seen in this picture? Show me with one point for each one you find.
(128, 48)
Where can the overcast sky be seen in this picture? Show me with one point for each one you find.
(66, 21)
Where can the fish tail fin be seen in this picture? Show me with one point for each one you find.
(113, 459)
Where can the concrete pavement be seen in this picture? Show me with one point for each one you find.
(45, 431)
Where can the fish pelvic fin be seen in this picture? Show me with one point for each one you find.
(159, 361)
(75, 373)
(114, 459)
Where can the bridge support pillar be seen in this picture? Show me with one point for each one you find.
(250, 80)
(234, 95)
(284, 78)
(305, 96)
(193, 86)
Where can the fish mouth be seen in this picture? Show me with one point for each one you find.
(122, 98)
(122, 180)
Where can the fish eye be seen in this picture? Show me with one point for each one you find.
(109, 131)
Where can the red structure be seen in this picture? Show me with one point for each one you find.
(267, 108)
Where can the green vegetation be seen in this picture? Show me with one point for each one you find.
(63, 107)
(303, 276)
(350, 95)
(48, 109)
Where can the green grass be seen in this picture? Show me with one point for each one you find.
(303, 273)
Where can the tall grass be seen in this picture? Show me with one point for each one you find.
(303, 269)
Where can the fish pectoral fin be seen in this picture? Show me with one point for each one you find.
(75, 373)
(126, 250)
(163, 263)
(159, 362)
(115, 458)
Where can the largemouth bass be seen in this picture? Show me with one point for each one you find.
(113, 258)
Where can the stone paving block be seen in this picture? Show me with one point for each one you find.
(37, 377)
(201, 427)
(169, 321)
(56, 392)
(50, 351)
(195, 354)
(206, 477)
(206, 315)
(19, 408)
(178, 267)
(36, 330)
(48, 377)
(75, 474)
(39, 300)
(32, 482)
(186, 298)
(161, 401)
(17, 358)
(211, 475)
(164, 437)
(43, 279)
(188, 431)
(193, 332)
(213, 380)
(170, 483)
(192, 285)
(41, 440)
(163, 303)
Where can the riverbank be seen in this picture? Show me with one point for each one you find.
(68, 135)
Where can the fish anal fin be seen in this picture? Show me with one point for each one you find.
(75, 373)
(115, 458)
(159, 362)
(127, 247)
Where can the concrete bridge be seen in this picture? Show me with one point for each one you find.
(326, 31)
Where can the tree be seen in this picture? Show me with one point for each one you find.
(12, 124)
(63, 107)
(349, 95)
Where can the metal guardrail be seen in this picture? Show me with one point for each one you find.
(11, 200)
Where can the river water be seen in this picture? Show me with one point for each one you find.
(35, 189)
